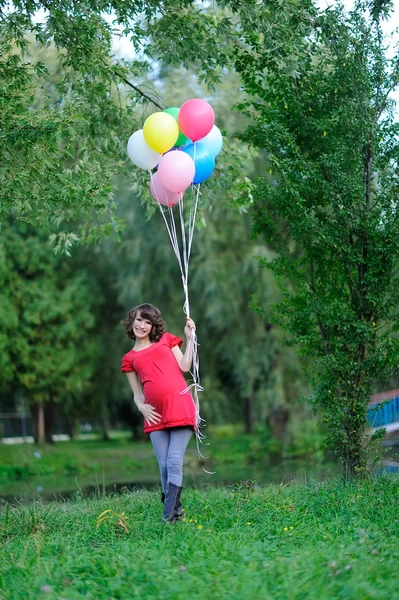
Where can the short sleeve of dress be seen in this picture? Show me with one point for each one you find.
(173, 340)
(127, 364)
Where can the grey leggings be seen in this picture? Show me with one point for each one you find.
(170, 446)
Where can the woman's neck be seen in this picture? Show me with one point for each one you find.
(142, 343)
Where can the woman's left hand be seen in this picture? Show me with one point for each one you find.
(190, 327)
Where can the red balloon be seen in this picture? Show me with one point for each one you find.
(196, 119)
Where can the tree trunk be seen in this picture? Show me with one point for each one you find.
(72, 427)
(278, 421)
(105, 429)
(353, 466)
(41, 439)
(249, 414)
(49, 421)
(354, 462)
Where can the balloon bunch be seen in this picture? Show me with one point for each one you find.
(182, 143)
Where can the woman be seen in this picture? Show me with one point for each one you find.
(154, 370)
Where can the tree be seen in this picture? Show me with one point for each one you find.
(60, 153)
(49, 350)
(319, 87)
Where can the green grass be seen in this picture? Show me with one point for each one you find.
(315, 542)
(70, 466)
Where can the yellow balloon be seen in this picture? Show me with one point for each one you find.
(161, 131)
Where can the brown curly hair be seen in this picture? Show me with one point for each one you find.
(147, 311)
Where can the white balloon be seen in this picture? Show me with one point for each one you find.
(140, 153)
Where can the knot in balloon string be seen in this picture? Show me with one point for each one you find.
(193, 385)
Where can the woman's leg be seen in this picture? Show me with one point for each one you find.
(179, 438)
(160, 441)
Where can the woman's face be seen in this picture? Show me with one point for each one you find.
(141, 327)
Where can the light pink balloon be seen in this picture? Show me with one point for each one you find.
(196, 118)
(161, 194)
(176, 171)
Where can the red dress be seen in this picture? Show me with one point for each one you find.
(162, 382)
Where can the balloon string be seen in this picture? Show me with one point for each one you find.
(183, 259)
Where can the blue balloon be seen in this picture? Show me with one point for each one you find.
(203, 160)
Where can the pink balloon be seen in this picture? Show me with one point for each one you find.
(196, 119)
(161, 194)
(176, 171)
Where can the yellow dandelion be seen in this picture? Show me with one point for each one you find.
(199, 527)
(285, 528)
(291, 527)
(324, 537)
(249, 523)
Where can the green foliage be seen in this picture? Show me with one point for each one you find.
(46, 321)
(281, 542)
(193, 36)
(61, 145)
(319, 86)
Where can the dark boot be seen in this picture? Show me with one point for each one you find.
(178, 510)
(171, 498)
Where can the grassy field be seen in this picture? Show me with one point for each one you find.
(27, 471)
(314, 542)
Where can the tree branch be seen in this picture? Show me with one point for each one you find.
(137, 89)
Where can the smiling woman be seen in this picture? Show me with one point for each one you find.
(144, 318)
(154, 370)
(142, 328)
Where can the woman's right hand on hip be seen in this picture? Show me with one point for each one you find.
(150, 415)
